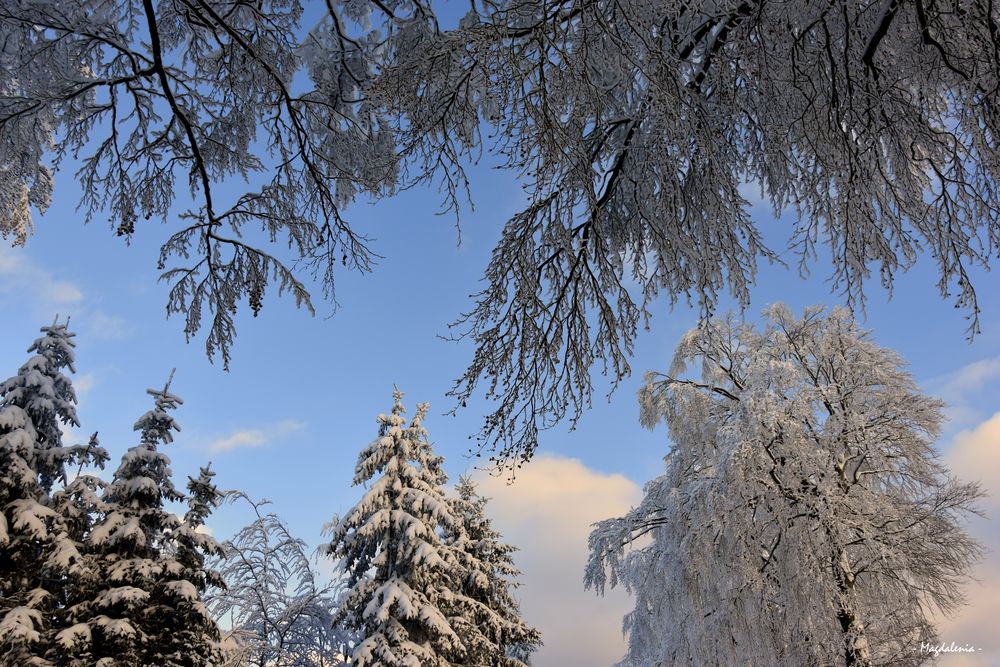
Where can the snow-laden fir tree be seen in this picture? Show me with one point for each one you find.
(78, 501)
(484, 612)
(152, 585)
(189, 631)
(804, 517)
(46, 394)
(399, 575)
(41, 564)
(79, 504)
(279, 611)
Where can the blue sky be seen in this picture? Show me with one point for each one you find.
(300, 400)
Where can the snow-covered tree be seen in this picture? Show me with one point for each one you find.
(90, 578)
(637, 124)
(41, 564)
(79, 505)
(484, 612)
(42, 390)
(804, 517)
(159, 98)
(152, 585)
(278, 608)
(189, 631)
(78, 501)
(399, 574)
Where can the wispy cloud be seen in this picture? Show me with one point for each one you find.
(21, 277)
(975, 455)
(256, 437)
(967, 391)
(40, 292)
(82, 384)
(971, 446)
(103, 326)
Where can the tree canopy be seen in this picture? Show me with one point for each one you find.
(637, 126)
(803, 517)
(429, 580)
(278, 608)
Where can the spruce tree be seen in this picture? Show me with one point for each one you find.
(46, 394)
(147, 603)
(40, 561)
(78, 505)
(399, 574)
(25, 526)
(189, 632)
(485, 614)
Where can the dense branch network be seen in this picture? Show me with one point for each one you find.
(803, 516)
(145, 96)
(638, 128)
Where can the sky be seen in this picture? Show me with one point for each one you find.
(300, 400)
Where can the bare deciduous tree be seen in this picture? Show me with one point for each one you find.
(153, 99)
(640, 125)
(278, 611)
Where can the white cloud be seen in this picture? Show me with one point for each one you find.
(975, 455)
(972, 376)
(547, 512)
(966, 392)
(22, 277)
(60, 292)
(251, 438)
(82, 384)
(100, 325)
(38, 291)
(257, 437)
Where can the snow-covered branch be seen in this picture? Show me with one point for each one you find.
(807, 522)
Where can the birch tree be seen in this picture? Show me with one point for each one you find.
(804, 516)
(639, 128)
(278, 608)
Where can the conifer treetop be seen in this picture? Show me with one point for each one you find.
(47, 395)
(389, 545)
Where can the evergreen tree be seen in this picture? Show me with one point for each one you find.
(46, 394)
(190, 632)
(79, 504)
(40, 561)
(399, 572)
(151, 595)
(486, 614)
(78, 501)
(25, 524)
